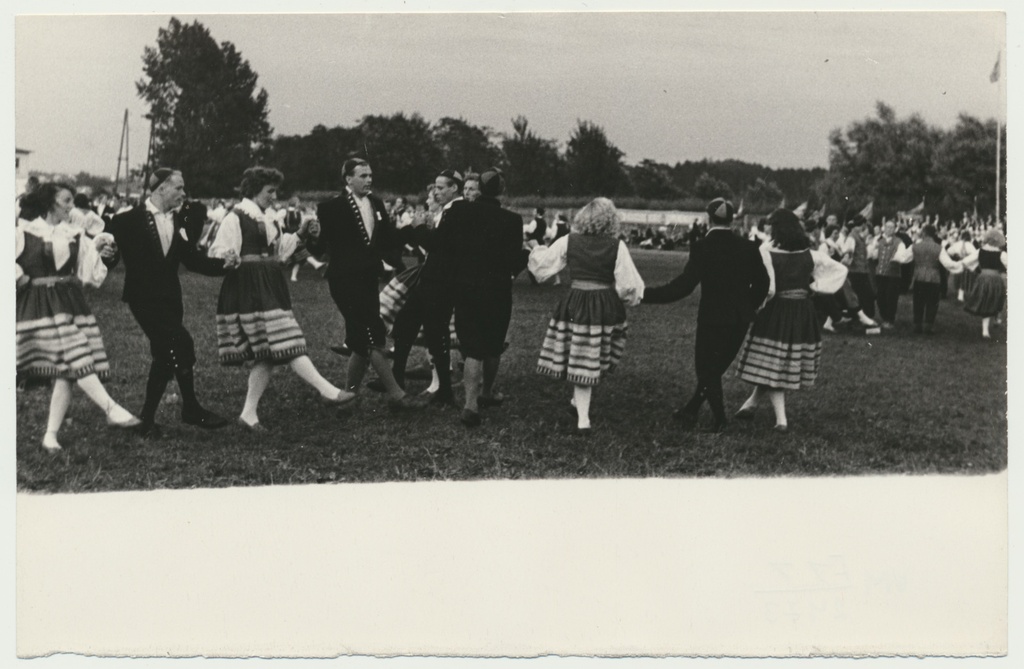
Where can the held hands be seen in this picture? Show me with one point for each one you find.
(106, 246)
(232, 259)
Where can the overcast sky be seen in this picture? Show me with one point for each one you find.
(759, 87)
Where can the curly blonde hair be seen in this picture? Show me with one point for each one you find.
(597, 217)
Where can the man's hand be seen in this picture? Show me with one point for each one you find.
(106, 246)
(232, 260)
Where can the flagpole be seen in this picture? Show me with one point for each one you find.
(998, 80)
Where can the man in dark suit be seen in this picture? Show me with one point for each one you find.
(482, 243)
(355, 229)
(153, 239)
(734, 282)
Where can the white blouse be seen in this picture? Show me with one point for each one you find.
(547, 261)
(827, 277)
(971, 261)
(229, 234)
(90, 269)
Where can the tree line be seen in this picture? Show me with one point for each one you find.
(210, 119)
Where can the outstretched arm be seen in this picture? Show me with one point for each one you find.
(679, 287)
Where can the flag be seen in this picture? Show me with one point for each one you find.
(919, 209)
(801, 210)
(994, 77)
(869, 211)
(739, 210)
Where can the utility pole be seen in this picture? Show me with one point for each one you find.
(122, 153)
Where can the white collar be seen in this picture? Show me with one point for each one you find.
(250, 208)
(40, 228)
(452, 202)
(153, 209)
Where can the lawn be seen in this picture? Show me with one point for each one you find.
(894, 403)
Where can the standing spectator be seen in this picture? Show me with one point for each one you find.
(471, 187)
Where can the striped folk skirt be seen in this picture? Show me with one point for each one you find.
(395, 293)
(783, 348)
(254, 316)
(585, 337)
(57, 335)
(987, 295)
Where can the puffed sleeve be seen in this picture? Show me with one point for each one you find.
(628, 283)
(91, 269)
(954, 266)
(873, 249)
(19, 246)
(287, 245)
(229, 237)
(1003, 258)
(547, 261)
(903, 255)
(829, 275)
(971, 261)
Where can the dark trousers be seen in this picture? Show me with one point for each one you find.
(888, 296)
(715, 348)
(173, 351)
(428, 306)
(829, 306)
(358, 300)
(861, 284)
(926, 302)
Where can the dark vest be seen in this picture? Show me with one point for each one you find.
(36, 258)
(592, 258)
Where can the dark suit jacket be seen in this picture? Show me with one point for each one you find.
(481, 242)
(343, 235)
(148, 273)
(732, 278)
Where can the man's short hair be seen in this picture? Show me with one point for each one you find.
(348, 168)
(453, 176)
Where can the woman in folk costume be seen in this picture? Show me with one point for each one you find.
(254, 310)
(57, 336)
(587, 333)
(987, 296)
(959, 249)
(783, 348)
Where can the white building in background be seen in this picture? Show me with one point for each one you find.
(20, 170)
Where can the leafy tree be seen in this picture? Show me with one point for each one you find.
(762, 195)
(653, 181)
(464, 146)
(534, 165)
(884, 159)
(964, 173)
(593, 164)
(401, 150)
(708, 187)
(313, 161)
(208, 118)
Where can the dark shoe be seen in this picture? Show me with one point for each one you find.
(376, 385)
(342, 350)
(469, 418)
(406, 403)
(745, 413)
(781, 428)
(495, 401)
(686, 419)
(255, 428)
(205, 419)
(147, 428)
(583, 431)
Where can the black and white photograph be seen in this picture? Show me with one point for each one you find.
(468, 333)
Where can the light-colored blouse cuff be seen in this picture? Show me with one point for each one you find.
(91, 269)
(229, 237)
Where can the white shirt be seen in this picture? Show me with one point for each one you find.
(164, 225)
(366, 211)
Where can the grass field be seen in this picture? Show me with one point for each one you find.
(895, 403)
